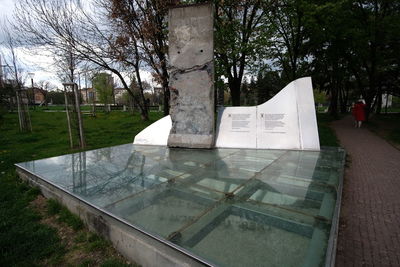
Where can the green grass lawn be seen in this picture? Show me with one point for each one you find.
(24, 240)
(50, 134)
(85, 107)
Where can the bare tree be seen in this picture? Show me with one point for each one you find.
(7, 90)
(45, 85)
(143, 25)
(65, 26)
(16, 82)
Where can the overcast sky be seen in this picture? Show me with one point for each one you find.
(6, 9)
(38, 65)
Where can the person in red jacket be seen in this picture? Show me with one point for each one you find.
(358, 113)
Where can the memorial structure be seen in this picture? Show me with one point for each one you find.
(228, 206)
(191, 72)
(287, 121)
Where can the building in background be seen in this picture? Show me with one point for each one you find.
(38, 95)
(87, 95)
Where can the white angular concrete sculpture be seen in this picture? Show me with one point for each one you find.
(155, 134)
(287, 121)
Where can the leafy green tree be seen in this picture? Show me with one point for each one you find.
(102, 83)
(354, 48)
(238, 40)
(247, 98)
(288, 40)
(319, 97)
(327, 48)
(268, 83)
(374, 40)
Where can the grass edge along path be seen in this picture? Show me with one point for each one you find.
(327, 136)
(386, 126)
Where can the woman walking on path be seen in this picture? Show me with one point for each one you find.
(358, 113)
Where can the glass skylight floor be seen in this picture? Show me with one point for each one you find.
(262, 243)
(231, 207)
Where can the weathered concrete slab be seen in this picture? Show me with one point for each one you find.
(191, 45)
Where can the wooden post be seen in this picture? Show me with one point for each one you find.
(71, 141)
(23, 113)
(94, 102)
(78, 111)
(28, 117)
(19, 110)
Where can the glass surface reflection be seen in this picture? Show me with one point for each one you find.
(233, 207)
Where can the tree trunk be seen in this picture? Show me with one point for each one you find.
(343, 101)
(165, 85)
(143, 108)
(166, 99)
(220, 92)
(368, 108)
(235, 91)
(333, 110)
(144, 115)
(379, 103)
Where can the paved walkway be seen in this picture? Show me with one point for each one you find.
(369, 233)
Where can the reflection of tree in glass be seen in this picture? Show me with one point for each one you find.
(113, 173)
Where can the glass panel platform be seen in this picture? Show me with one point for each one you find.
(231, 207)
